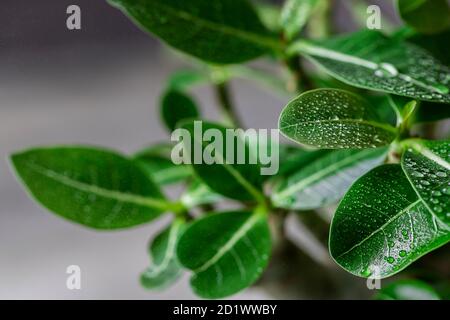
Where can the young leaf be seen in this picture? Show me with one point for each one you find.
(426, 16)
(219, 31)
(97, 188)
(227, 252)
(228, 178)
(294, 16)
(427, 166)
(405, 110)
(157, 164)
(177, 106)
(381, 226)
(370, 60)
(165, 268)
(334, 119)
(326, 179)
(408, 290)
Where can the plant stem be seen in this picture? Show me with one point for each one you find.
(299, 82)
(319, 25)
(225, 100)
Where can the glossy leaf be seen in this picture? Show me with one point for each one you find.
(294, 16)
(165, 268)
(370, 60)
(381, 226)
(228, 178)
(177, 106)
(220, 31)
(227, 252)
(427, 166)
(325, 179)
(334, 119)
(426, 16)
(407, 290)
(97, 188)
(157, 163)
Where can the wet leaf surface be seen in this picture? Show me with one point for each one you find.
(334, 119)
(381, 225)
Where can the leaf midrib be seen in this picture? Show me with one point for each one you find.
(257, 195)
(354, 121)
(215, 27)
(381, 228)
(322, 173)
(426, 152)
(169, 253)
(435, 158)
(228, 246)
(309, 49)
(110, 194)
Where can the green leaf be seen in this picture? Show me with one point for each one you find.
(436, 44)
(405, 109)
(427, 166)
(381, 226)
(97, 188)
(198, 194)
(384, 109)
(184, 79)
(431, 112)
(237, 181)
(165, 268)
(408, 290)
(426, 16)
(219, 31)
(334, 119)
(227, 252)
(325, 179)
(269, 15)
(294, 16)
(157, 163)
(293, 159)
(370, 60)
(177, 106)
(265, 80)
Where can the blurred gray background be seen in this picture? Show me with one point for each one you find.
(97, 86)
